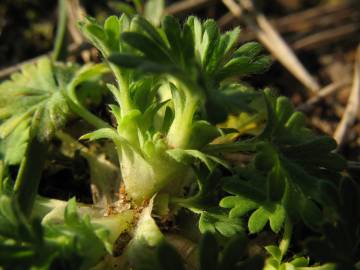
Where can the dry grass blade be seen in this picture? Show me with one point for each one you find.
(225, 20)
(181, 7)
(316, 17)
(76, 14)
(322, 93)
(271, 39)
(352, 107)
(325, 37)
(353, 165)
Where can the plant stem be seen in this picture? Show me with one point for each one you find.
(123, 86)
(1, 175)
(28, 178)
(61, 31)
(31, 167)
(81, 111)
(285, 241)
(181, 127)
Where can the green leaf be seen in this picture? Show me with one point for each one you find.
(40, 89)
(147, 46)
(258, 220)
(217, 221)
(275, 252)
(112, 31)
(277, 218)
(183, 156)
(27, 244)
(122, 7)
(153, 11)
(173, 33)
(276, 183)
(103, 133)
(127, 60)
(240, 206)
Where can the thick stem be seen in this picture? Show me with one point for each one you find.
(181, 128)
(285, 241)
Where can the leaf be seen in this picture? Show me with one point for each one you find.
(153, 11)
(122, 7)
(217, 221)
(258, 220)
(103, 133)
(14, 146)
(112, 31)
(173, 33)
(27, 244)
(275, 252)
(39, 90)
(277, 218)
(286, 169)
(240, 206)
(147, 46)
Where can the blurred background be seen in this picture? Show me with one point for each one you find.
(313, 42)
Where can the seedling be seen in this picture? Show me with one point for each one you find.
(172, 86)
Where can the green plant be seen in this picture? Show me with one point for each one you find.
(173, 85)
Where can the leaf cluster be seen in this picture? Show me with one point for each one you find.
(25, 244)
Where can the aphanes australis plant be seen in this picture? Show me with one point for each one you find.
(176, 90)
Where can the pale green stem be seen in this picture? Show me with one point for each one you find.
(59, 45)
(2, 168)
(285, 241)
(181, 128)
(123, 85)
(81, 111)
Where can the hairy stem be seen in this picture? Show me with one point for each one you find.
(185, 109)
(123, 85)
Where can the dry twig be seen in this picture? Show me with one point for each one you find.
(225, 20)
(181, 7)
(325, 37)
(271, 39)
(352, 108)
(322, 93)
